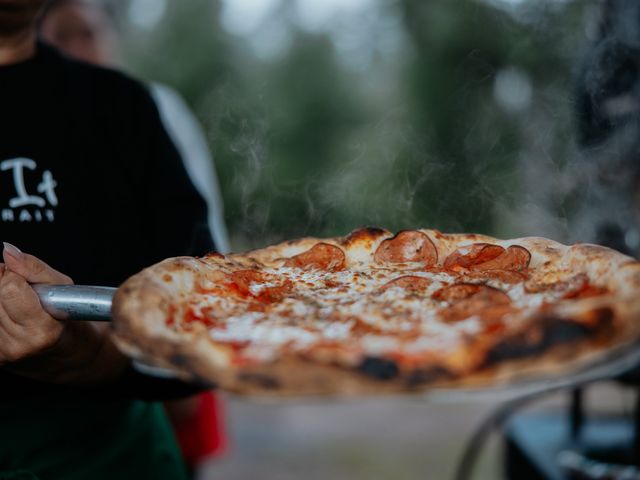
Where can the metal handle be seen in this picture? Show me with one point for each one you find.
(76, 302)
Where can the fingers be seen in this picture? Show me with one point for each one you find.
(31, 268)
(19, 301)
(25, 328)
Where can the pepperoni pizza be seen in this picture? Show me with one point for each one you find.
(378, 312)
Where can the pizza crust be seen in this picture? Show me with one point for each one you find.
(142, 305)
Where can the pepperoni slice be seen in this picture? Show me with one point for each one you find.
(322, 256)
(485, 256)
(468, 257)
(407, 246)
(410, 283)
(464, 291)
(467, 300)
(488, 313)
(514, 259)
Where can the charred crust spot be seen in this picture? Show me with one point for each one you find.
(549, 332)
(602, 317)
(421, 377)
(379, 368)
(368, 232)
(322, 256)
(364, 234)
(260, 379)
(167, 277)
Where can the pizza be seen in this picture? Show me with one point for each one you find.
(376, 312)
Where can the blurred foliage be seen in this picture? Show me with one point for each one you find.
(316, 141)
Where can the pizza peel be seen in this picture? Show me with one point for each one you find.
(91, 303)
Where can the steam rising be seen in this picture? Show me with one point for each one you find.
(450, 128)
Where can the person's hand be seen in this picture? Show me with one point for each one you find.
(25, 328)
(34, 344)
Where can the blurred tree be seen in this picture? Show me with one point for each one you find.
(305, 142)
(472, 144)
(310, 111)
(186, 49)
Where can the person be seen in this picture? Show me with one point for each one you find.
(85, 30)
(90, 183)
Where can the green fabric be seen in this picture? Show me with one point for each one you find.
(68, 437)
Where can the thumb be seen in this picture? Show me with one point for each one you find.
(32, 269)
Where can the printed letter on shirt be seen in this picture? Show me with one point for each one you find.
(17, 167)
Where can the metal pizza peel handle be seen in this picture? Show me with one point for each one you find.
(83, 302)
(76, 302)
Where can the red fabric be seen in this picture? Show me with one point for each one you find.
(202, 436)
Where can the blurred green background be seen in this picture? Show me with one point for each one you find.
(325, 115)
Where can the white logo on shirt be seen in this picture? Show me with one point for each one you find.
(24, 207)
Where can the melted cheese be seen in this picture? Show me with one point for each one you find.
(354, 309)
